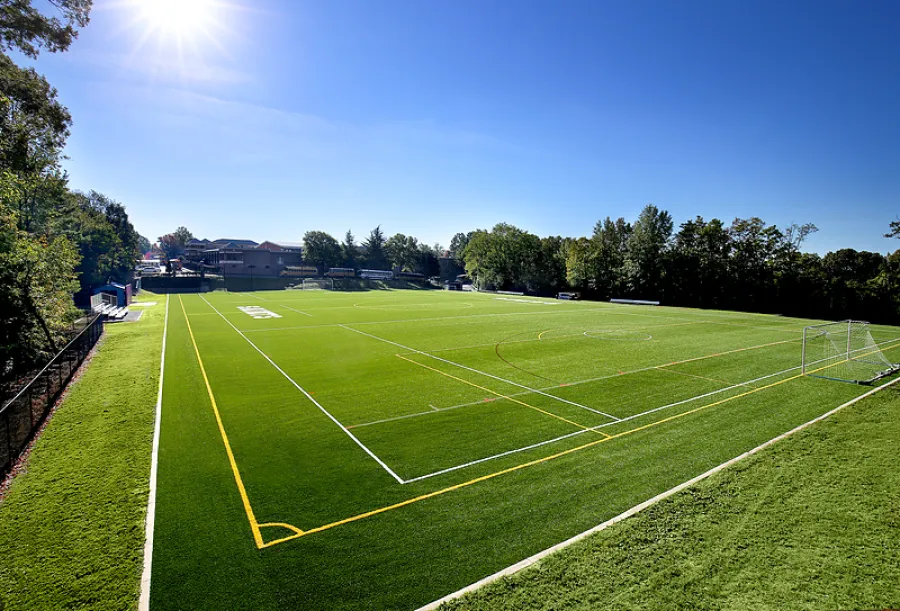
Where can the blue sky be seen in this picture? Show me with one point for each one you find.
(430, 117)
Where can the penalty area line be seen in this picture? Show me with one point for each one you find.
(531, 463)
(371, 454)
(531, 560)
(499, 379)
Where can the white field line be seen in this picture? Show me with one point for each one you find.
(796, 328)
(515, 568)
(601, 426)
(495, 456)
(598, 379)
(435, 318)
(310, 397)
(511, 383)
(144, 600)
(592, 307)
(561, 336)
(294, 310)
(570, 311)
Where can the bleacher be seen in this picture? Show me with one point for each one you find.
(112, 312)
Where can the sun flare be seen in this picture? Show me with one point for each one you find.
(179, 17)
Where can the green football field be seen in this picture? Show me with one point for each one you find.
(380, 450)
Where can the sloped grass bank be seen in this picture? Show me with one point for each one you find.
(72, 524)
(810, 523)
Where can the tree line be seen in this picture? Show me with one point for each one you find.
(399, 251)
(54, 242)
(748, 265)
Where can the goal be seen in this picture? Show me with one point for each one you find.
(844, 351)
(316, 284)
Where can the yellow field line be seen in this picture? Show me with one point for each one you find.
(532, 463)
(254, 525)
(493, 392)
(521, 466)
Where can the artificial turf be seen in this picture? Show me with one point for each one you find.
(809, 523)
(429, 382)
(72, 524)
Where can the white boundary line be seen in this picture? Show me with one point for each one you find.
(533, 390)
(591, 380)
(489, 315)
(310, 397)
(144, 600)
(604, 425)
(600, 426)
(515, 568)
(293, 310)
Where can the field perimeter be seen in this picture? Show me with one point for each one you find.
(380, 450)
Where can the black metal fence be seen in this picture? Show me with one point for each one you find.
(21, 416)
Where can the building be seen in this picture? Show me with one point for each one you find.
(281, 246)
(122, 292)
(235, 257)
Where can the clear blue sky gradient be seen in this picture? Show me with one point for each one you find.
(437, 116)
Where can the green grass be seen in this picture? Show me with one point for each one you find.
(72, 525)
(430, 381)
(810, 523)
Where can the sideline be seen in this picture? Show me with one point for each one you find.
(515, 568)
(144, 601)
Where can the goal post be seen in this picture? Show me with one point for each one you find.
(844, 351)
(318, 284)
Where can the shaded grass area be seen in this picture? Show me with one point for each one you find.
(810, 523)
(72, 524)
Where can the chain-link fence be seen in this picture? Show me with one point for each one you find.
(21, 416)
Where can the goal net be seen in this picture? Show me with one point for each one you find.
(317, 284)
(844, 351)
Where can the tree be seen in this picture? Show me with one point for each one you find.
(578, 264)
(402, 251)
(550, 271)
(895, 230)
(755, 247)
(172, 244)
(375, 257)
(350, 251)
(33, 124)
(696, 266)
(428, 264)
(458, 245)
(645, 251)
(505, 258)
(321, 249)
(144, 245)
(106, 239)
(37, 258)
(606, 257)
(25, 28)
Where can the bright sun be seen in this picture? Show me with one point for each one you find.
(182, 18)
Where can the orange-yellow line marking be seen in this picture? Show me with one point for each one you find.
(254, 525)
(494, 392)
(532, 463)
